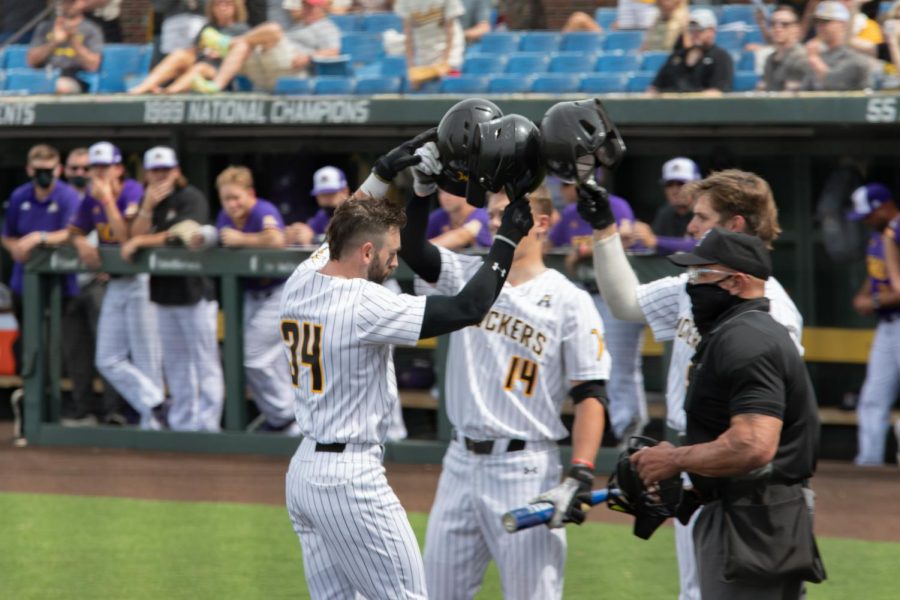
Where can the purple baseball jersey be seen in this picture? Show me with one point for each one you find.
(572, 230)
(25, 214)
(879, 280)
(262, 216)
(91, 214)
(319, 221)
(439, 222)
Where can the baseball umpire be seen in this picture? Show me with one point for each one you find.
(752, 433)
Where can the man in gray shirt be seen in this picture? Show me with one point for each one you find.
(787, 66)
(477, 19)
(832, 64)
(268, 52)
(69, 43)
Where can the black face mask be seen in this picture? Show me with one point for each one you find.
(43, 178)
(708, 302)
(79, 181)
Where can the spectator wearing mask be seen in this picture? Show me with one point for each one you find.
(70, 43)
(268, 52)
(701, 66)
(833, 65)
(179, 68)
(669, 233)
(787, 65)
(434, 37)
(330, 190)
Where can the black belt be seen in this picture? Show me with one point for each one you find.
(337, 448)
(890, 317)
(487, 446)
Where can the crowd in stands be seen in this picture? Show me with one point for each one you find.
(457, 47)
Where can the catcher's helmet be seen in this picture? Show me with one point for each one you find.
(507, 154)
(455, 134)
(576, 136)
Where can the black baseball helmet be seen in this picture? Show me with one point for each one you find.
(455, 134)
(577, 137)
(506, 155)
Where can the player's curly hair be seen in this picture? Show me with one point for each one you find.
(733, 192)
(360, 220)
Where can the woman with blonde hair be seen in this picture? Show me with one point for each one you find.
(180, 67)
(668, 28)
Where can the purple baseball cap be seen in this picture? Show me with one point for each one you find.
(104, 153)
(868, 198)
(328, 180)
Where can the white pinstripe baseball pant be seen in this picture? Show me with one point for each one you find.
(268, 373)
(355, 535)
(192, 366)
(128, 351)
(465, 529)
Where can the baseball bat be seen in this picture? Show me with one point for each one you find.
(540, 512)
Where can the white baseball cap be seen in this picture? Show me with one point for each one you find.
(680, 169)
(328, 180)
(704, 18)
(160, 157)
(104, 153)
(831, 10)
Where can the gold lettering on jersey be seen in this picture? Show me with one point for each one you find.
(686, 331)
(104, 232)
(515, 329)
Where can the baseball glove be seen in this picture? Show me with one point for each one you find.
(650, 509)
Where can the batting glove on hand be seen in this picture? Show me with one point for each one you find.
(423, 173)
(388, 166)
(568, 496)
(594, 206)
(516, 221)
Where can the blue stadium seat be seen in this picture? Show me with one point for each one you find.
(754, 36)
(884, 6)
(465, 84)
(603, 83)
(744, 81)
(293, 86)
(120, 61)
(32, 81)
(732, 41)
(346, 23)
(499, 42)
(393, 66)
(509, 84)
(484, 65)
(378, 85)
(617, 63)
(240, 83)
(582, 41)
(539, 41)
(625, 41)
(362, 47)
(605, 17)
(382, 21)
(527, 63)
(639, 82)
(333, 66)
(332, 86)
(571, 62)
(429, 87)
(653, 61)
(746, 61)
(734, 13)
(556, 83)
(15, 57)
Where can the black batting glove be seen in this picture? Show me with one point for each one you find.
(594, 206)
(569, 496)
(389, 165)
(516, 221)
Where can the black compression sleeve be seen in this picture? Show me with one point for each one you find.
(444, 314)
(421, 255)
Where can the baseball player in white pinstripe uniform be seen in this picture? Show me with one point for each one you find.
(338, 325)
(733, 199)
(506, 380)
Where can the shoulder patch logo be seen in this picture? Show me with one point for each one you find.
(545, 301)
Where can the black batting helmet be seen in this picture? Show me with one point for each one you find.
(455, 134)
(576, 136)
(507, 155)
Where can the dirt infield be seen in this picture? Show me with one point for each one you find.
(852, 502)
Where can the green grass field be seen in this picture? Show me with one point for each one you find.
(92, 548)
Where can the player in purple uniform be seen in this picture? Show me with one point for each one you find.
(457, 224)
(873, 203)
(250, 222)
(627, 399)
(128, 352)
(36, 215)
(330, 189)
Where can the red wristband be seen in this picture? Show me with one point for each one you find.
(581, 461)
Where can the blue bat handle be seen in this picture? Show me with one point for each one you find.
(540, 513)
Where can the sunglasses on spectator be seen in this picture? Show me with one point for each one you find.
(783, 23)
(695, 273)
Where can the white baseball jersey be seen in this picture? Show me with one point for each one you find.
(338, 335)
(667, 308)
(521, 359)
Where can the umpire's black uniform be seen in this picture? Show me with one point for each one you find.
(753, 537)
